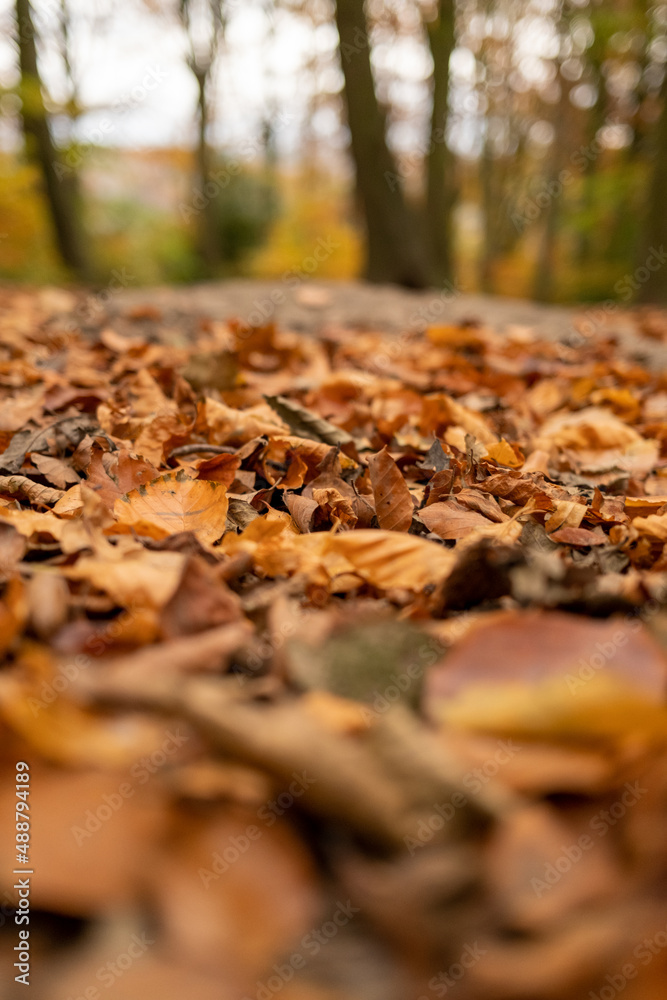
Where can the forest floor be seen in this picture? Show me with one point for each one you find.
(313, 307)
(333, 660)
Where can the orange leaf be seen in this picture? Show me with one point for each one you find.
(174, 503)
(504, 454)
(219, 469)
(643, 506)
(386, 559)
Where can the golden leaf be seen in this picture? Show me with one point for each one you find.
(175, 503)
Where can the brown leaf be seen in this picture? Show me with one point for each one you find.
(449, 519)
(439, 487)
(140, 578)
(339, 508)
(55, 470)
(393, 503)
(133, 471)
(643, 506)
(553, 673)
(568, 514)
(306, 424)
(43, 495)
(219, 469)
(591, 428)
(565, 643)
(13, 614)
(216, 902)
(12, 550)
(578, 536)
(201, 601)
(518, 489)
(654, 526)
(302, 510)
(483, 503)
(98, 477)
(88, 866)
(31, 523)
(441, 411)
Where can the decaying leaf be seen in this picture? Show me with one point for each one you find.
(306, 424)
(42, 495)
(393, 503)
(389, 559)
(450, 519)
(324, 690)
(175, 503)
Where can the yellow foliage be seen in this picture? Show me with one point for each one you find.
(311, 229)
(26, 247)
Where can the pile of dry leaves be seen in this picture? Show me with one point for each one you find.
(337, 661)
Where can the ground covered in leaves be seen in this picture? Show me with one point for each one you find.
(336, 662)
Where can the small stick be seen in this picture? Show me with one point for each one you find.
(193, 449)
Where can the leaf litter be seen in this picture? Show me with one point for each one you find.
(313, 656)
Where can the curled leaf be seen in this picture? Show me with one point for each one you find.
(34, 492)
(306, 424)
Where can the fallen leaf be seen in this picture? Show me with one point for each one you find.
(42, 495)
(305, 424)
(175, 503)
(389, 559)
(219, 469)
(644, 506)
(393, 503)
(578, 536)
(302, 510)
(568, 514)
(141, 578)
(449, 519)
(503, 453)
(55, 470)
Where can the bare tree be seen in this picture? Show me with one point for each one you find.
(59, 183)
(203, 21)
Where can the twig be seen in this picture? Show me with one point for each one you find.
(192, 449)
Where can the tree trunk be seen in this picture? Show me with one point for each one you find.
(545, 271)
(440, 186)
(546, 256)
(488, 254)
(394, 251)
(209, 243)
(57, 178)
(654, 289)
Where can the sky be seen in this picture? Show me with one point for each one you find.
(130, 65)
(131, 71)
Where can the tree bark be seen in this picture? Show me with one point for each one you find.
(545, 272)
(488, 254)
(58, 179)
(394, 250)
(655, 225)
(440, 185)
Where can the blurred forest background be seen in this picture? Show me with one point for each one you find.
(516, 147)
